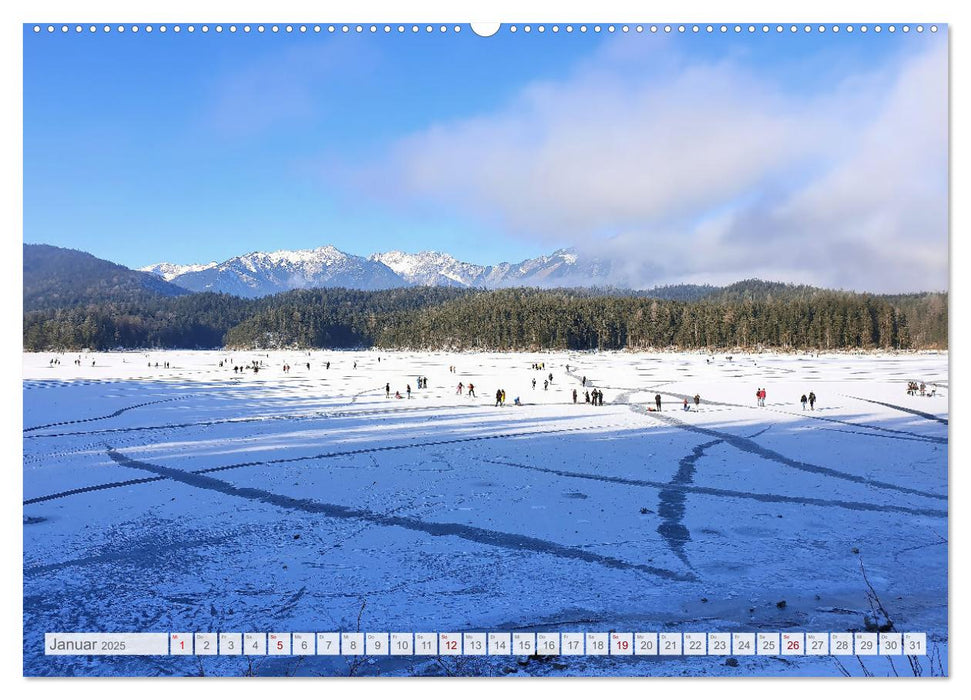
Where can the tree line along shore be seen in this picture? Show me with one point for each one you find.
(761, 315)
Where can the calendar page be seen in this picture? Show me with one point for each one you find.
(545, 349)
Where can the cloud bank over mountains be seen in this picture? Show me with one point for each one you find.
(705, 170)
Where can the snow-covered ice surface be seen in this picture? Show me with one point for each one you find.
(195, 499)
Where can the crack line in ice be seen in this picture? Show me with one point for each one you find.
(726, 493)
(747, 445)
(493, 538)
(913, 411)
(110, 415)
(671, 503)
(90, 489)
(709, 402)
(916, 436)
(115, 556)
(323, 455)
(877, 435)
(317, 415)
(671, 500)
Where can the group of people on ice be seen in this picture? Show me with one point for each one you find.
(811, 400)
(546, 382)
(257, 365)
(56, 361)
(913, 388)
(422, 384)
(685, 405)
(595, 397)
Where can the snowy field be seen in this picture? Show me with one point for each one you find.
(192, 498)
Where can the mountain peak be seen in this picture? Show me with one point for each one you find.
(169, 271)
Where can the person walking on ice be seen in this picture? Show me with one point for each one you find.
(472, 390)
(812, 401)
(697, 401)
(686, 407)
(803, 401)
(574, 396)
(657, 402)
(498, 396)
(387, 391)
(459, 390)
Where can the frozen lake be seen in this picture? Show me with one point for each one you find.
(195, 498)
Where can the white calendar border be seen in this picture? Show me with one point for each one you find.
(440, 10)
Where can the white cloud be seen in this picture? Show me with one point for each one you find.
(706, 170)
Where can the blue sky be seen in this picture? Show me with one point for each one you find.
(194, 147)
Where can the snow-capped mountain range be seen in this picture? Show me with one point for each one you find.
(259, 274)
(169, 271)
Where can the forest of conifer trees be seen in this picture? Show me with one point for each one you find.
(751, 315)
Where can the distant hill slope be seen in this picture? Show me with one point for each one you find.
(60, 277)
(761, 290)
